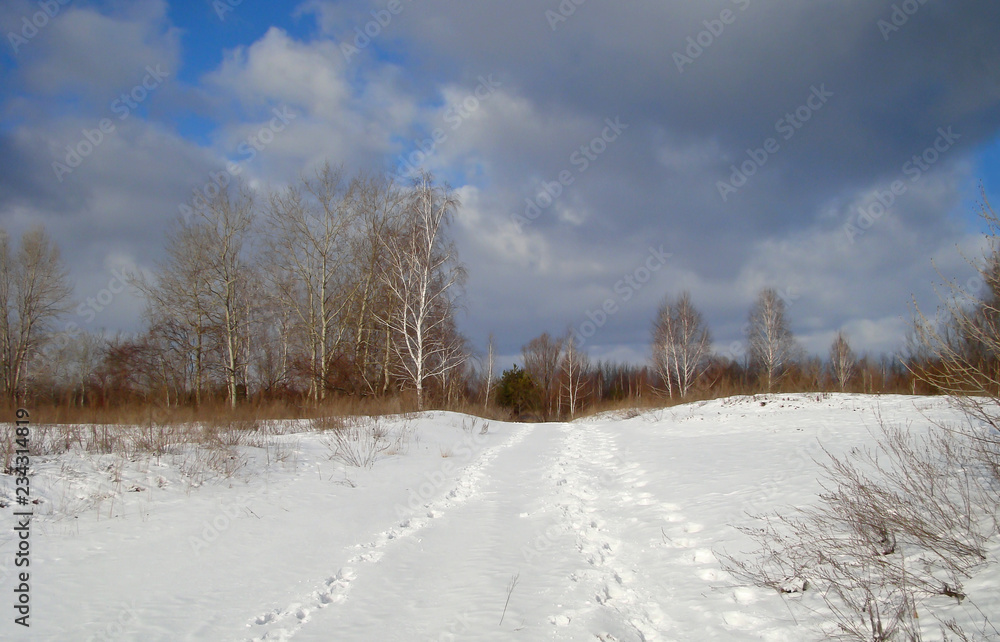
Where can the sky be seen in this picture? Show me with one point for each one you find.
(606, 154)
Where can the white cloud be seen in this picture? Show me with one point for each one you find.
(277, 69)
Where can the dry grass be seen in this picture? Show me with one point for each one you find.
(360, 441)
(202, 449)
(146, 413)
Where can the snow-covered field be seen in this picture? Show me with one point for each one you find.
(610, 526)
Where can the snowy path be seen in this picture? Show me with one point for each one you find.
(597, 542)
(610, 524)
(386, 598)
(532, 508)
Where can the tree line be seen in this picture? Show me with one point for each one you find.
(349, 286)
(559, 380)
(336, 285)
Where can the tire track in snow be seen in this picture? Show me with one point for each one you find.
(282, 624)
(585, 499)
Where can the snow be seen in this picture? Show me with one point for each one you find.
(609, 524)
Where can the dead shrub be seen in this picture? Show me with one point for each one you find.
(897, 532)
(360, 441)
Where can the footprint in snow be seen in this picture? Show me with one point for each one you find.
(346, 574)
(266, 618)
(334, 589)
(609, 592)
(559, 620)
(368, 558)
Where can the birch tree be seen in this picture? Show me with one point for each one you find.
(490, 364)
(573, 366)
(423, 276)
(771, 344)
(227, 223)
(842, 361)
(203, 286)
(681, 344)
(379, 206)
(178, 304)
(307, 253)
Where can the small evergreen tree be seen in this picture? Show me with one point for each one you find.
(518, 391)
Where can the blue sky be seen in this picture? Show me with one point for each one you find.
(689, 126)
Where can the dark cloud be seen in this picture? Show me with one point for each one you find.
(886, 94)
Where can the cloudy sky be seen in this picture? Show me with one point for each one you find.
(607, 154)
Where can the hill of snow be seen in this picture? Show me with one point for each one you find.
(610, 526)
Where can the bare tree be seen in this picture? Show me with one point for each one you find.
(70, 363)
(958, 350)
(178, 303)
(772, 346)
(269, 341)
(307, 254)
(681, 344)
(664, 345)
(541, 361)
(490, 364)
(423, 276)
(842, 361)
(573, 367)
(227, 223)
(200, 294)
(34, 291)
(451, 364)
(379, 205)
